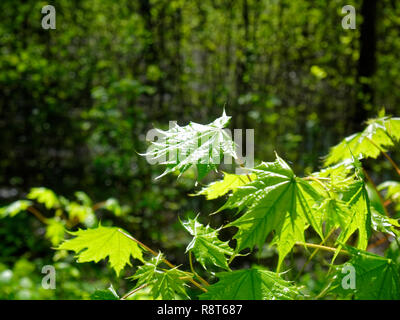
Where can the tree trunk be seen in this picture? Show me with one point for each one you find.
(366, 65)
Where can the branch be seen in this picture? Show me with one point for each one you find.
(133, 291)
(194, 272)
(37, 214)
(318, 246)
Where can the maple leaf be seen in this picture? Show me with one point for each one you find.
(250, 284)
(108, 294)
(102, 242)
(277, 201)
(14, 208)
(380, 134)
(166, 284)
(45, 196)
(55, 231)
(359, 219)
(197, 145)
(206, 246)
(376, 278)
(229, 183)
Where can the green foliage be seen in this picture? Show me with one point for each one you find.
(380, 134)
(14, 208)
(55, 231)
(114, 206)
(376, 278)
(102, 242)
(44, 196)
(108, 294)
(360, 215)
(195, 144)
(276, 201)
(274, 207)
(251, 284)
(206, 246)
(384, 224)
(392, 192)
(76, 102)
(229, 183)
(165, 284)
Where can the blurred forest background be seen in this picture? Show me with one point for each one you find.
(77, 102)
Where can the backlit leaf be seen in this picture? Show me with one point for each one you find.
(45, 196)
(14, 208)
(376, 278)
(55, 231)
(379, 134)
(229, 183)
(206, 246)
(198, 145)
(276, 201)
(102, 242)
(108, 294)
(166, 284)
(250, 284)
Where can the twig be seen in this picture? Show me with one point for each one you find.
(37, 214)
(314, 253)
(194, 272)
(133, 291)
(318, 246)
(386, 156)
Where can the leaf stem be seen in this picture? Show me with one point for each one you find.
(314, 253)
(133, 291)
(37, 214)
(318, 246)
(169, 264)
(98, 205)
(194, 272)
(320, 183)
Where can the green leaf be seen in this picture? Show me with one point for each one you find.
(376, 278)
(338, 177)
(276, 201)
(335, 214)
(360, 215)
(392, 192)
(380, 134)
(45, 196)
(165, 284)
(55, 231)
(229, 183)
(197, 145)
(79, 212)
(102, 242)
(108, 294)
(14, 208)
(206, 246)
(84, 198)
(113, 206)
(382, 223)
(250, 284)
